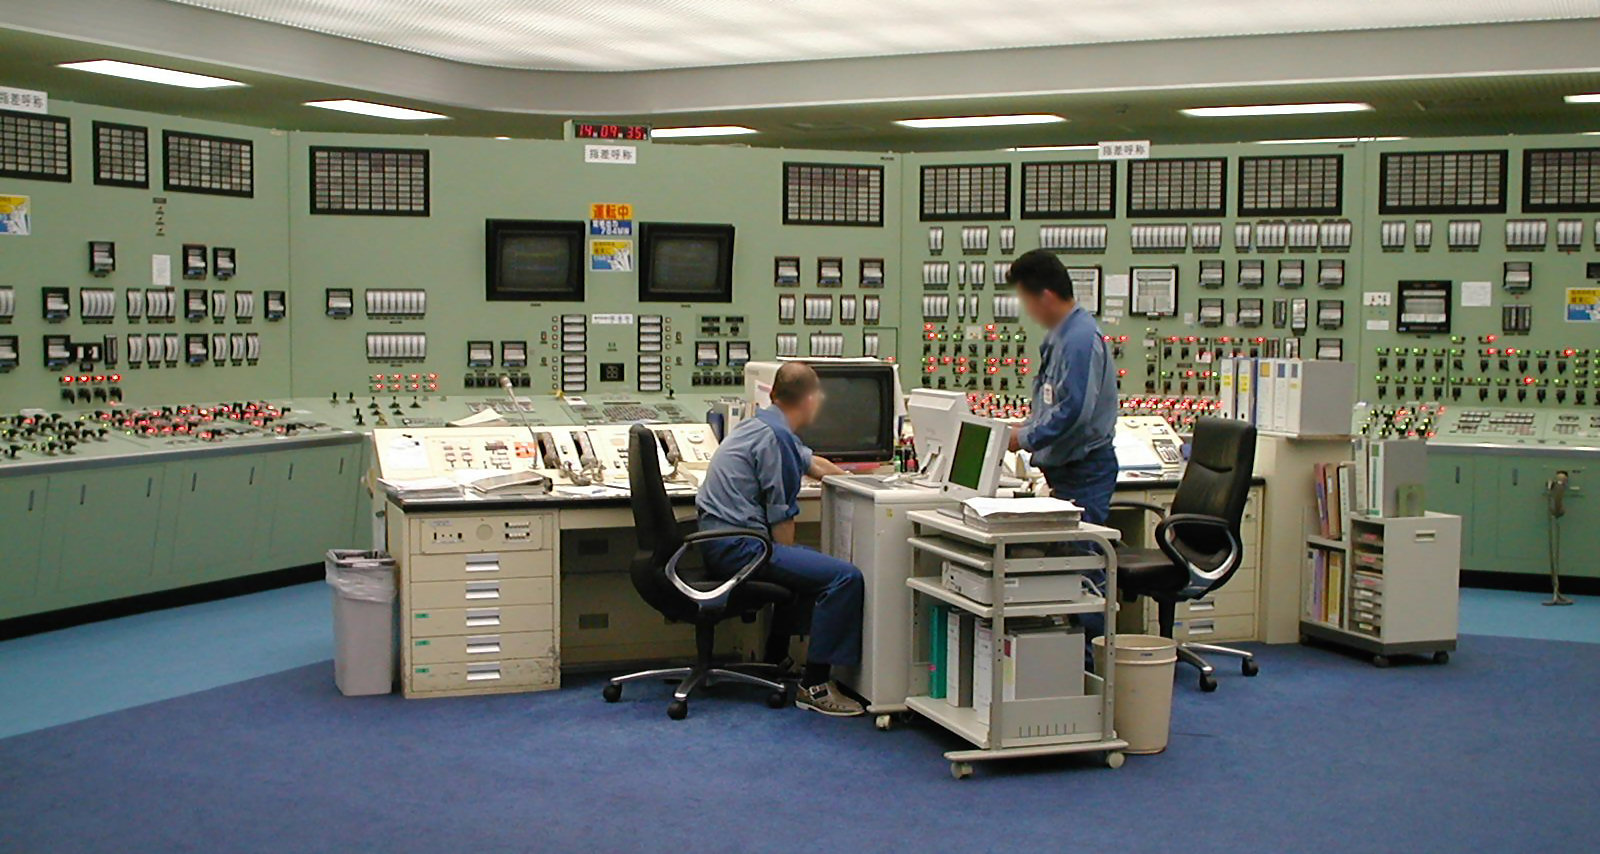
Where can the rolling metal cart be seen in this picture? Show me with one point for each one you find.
(1015, 728)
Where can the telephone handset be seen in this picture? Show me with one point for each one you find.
(549, 457)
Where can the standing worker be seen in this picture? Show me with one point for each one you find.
(1074, 395)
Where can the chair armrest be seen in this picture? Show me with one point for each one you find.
(1200, 580)
(1140, 505)
(716, 596)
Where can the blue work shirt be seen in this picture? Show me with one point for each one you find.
(754, 477)
(1074, 394)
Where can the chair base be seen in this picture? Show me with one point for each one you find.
(1189, 653)
(694, 677)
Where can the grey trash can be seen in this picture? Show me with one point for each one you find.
(363, 620)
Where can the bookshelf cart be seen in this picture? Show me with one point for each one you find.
(1015, 728)
(1398, 589)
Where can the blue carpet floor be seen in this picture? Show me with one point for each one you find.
(1495, 751)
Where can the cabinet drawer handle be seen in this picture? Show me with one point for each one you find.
(488, 671)
(483, 563)
(1202, 627)
(1202, 605)
(483, 590)
(1425, 536)
(483, 617)
(483, 645)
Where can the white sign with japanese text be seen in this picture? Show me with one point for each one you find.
(622, 155)
(24, 100)
(1126, 149)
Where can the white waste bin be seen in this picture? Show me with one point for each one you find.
(1143, 695)
(363, 620)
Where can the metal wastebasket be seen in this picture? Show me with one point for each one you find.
(363, 620)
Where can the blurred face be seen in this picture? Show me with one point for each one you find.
(804, 411)
(1044, 307)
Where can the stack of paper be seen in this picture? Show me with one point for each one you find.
(992, 513)
(423, 487)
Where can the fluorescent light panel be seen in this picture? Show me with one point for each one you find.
(1055, 148)
(381, 111)
(150, 74)
(1589, 98)
(1277, 109)
(703, 130)
(1329, 140)
(980, 121)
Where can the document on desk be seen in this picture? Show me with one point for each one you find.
(423, 487)
(485, 417)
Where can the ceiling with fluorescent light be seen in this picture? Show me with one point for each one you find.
(635, 35)
(1437, 81)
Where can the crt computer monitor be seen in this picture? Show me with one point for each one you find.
(685, 262)
(534, 260)
(980, 448)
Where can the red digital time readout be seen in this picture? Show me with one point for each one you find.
(631, 133)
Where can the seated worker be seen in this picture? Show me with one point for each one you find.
(754, 482)
(1074, 417)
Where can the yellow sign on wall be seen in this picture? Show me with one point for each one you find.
(16, 216)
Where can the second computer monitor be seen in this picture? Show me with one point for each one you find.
(980, 448)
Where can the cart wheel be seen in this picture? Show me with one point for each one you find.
(1441, 657)
(905, 717)
(677, 710)
(1249, 667)
(883, 722)
(1114, 759)
(777, 699)
(961, 770)
(612, 693)
(1208, 683)
(1380, 661)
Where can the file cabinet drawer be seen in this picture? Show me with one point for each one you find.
(1226, 602)
(488, 591)
(1205, 629)
(473, 567)
(483, 677)
(484, 647)
(489, 619)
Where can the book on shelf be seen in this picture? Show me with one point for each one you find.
(939, 645)
(1324, 590)
(1331, 485)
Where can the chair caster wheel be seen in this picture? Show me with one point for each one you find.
(1380, 661)
(1249, 667)
(612, 693)
(777, 699)
(677, 710)
(1441, 657)
(883, 722)
(1208, 683)
(961, 770)
(1114, 759)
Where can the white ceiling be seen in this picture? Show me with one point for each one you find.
(636, 35)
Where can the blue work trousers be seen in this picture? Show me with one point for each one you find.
(1089, 483)
(836, 585)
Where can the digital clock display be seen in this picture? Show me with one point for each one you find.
(629, 133)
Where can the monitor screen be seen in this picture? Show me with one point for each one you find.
(685, 262)
(857, 422)
(686, 265)
(531, 260)
(968, 461)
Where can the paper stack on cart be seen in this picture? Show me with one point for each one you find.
(1020, 513)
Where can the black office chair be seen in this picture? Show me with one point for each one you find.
(1197, 541)
(687, 594)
